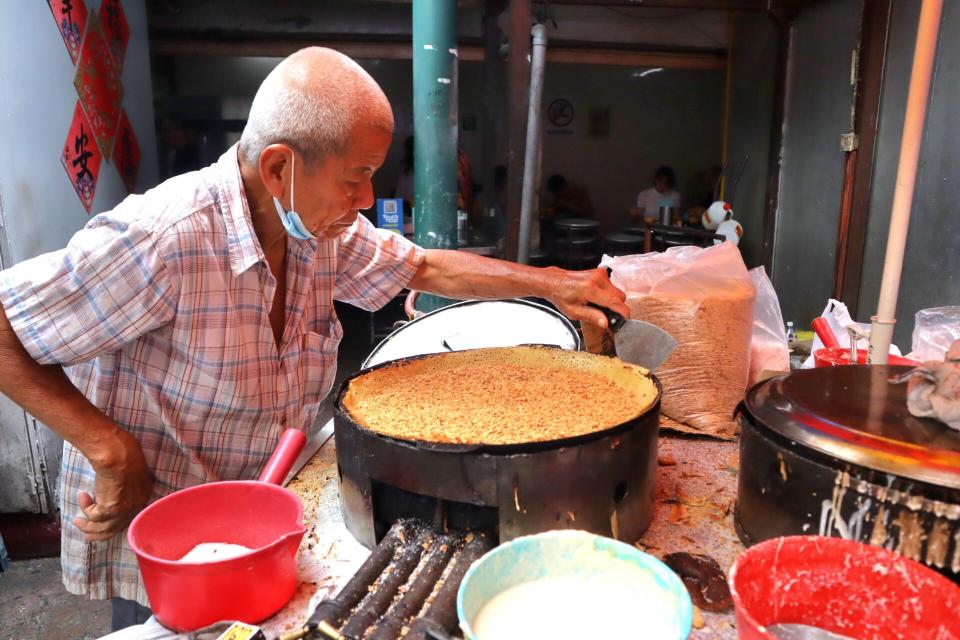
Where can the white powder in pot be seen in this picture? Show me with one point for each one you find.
(612, 607)
(214, 551)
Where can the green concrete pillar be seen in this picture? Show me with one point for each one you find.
(435, 128)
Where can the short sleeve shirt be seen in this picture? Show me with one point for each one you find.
(158, 310)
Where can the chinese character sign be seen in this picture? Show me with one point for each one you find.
(126, 153)
(71, 17)
(116, 32)
(98, 85)
(81, 157)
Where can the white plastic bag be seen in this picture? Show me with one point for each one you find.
(768, 346)
(933, 333)
(704, 299)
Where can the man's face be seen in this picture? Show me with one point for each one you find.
(339, 187)
(661, 184)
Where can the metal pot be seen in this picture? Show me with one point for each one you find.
(834, 452)
(602, 482)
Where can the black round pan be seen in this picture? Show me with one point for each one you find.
(614, 367)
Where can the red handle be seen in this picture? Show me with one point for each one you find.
(280, 463)
(825, 333)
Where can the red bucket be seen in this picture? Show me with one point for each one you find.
(841, 356)
(265, 517)
(841, 586)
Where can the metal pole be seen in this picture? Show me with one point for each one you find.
(435, 128)
(538, 58)
(881, 333)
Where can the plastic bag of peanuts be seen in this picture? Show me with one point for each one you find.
(705, 299)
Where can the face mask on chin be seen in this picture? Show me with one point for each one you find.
(291, 219)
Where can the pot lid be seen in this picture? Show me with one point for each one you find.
(855, 414)
(477, 324)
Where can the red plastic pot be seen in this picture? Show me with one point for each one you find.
(260, 515)
(841, 586)
(841, 356)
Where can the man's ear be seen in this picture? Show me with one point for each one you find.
(274, 167)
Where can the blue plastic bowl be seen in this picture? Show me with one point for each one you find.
(555, 553)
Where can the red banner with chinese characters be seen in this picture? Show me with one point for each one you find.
(98, 85)
(81, 157)
(116, 32)
(71, 17)
(126, 153)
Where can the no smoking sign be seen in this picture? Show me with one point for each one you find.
(560, 112)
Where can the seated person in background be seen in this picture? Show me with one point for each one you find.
(567, 199)
(661, 194)
(703, 187)
(702, 190)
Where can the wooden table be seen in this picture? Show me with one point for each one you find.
(696, 489)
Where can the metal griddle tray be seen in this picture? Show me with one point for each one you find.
(407, 587)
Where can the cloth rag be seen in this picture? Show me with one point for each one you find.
(934, 389)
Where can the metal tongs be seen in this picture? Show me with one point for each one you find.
(856, 334)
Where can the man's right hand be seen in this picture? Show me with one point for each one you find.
(123, 487)
(123, 483)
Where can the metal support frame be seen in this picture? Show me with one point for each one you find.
(531, 173)
(435, 127)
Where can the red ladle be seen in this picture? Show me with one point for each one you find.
(822, 328)
(258, 514)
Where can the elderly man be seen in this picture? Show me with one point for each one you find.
(197, 320)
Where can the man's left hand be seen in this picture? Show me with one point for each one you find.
(954, 352)
(572, 290)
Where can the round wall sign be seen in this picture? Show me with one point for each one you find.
(560, 112)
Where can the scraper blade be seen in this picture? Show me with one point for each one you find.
(639, 342)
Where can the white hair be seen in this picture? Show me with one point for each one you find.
(310, 102)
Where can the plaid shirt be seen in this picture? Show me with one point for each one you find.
(159, 311)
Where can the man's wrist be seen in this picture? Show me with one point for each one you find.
(545, 282)
(107, 446)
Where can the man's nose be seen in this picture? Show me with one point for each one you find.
(364, 199)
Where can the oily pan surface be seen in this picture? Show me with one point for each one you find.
(499, 396)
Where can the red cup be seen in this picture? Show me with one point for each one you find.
(841, 356)
(841, 586)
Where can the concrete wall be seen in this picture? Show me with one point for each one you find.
(817, 112)
(37, 101)
(931, 274)
(39, 207)
(753, 77)
(672, 117)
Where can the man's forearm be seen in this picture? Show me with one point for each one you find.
(463, 275)
(47, 393)
(459, 274)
